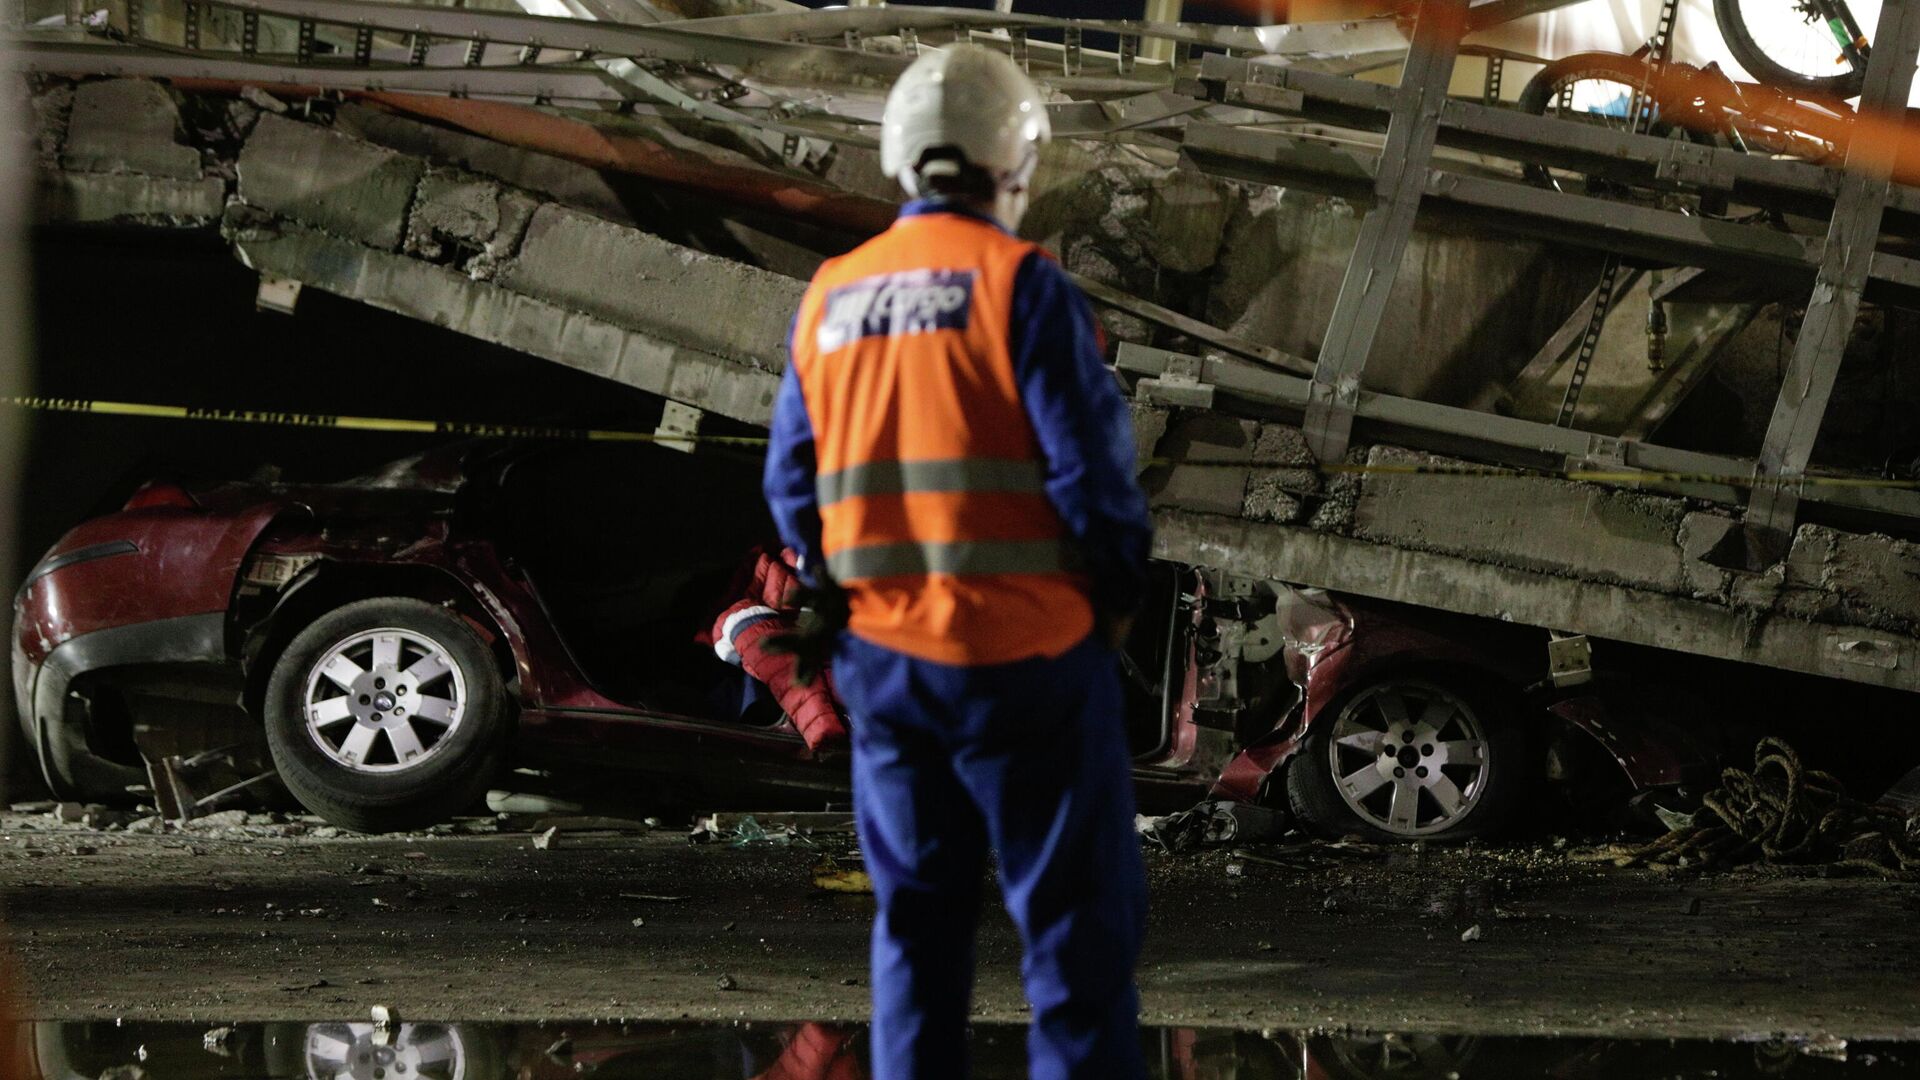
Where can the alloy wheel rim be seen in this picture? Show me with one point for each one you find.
(1410, 758)
(364, 1051)
(384, 700)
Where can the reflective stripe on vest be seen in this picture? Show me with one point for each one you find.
(973, 475)
(955, 557)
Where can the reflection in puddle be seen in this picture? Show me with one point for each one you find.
(347, 1050)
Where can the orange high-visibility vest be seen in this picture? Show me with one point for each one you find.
(933, 509)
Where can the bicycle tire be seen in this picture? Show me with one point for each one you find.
(1741, 43)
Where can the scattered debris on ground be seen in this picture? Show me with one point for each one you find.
(829, 874)
(1210, 822)
(770, 828)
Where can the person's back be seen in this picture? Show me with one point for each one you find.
(930, 481)
(954, 465)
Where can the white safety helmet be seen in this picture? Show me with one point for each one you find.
(976, 102)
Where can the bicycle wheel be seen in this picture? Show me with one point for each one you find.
(1595, 88)
(1796, 44)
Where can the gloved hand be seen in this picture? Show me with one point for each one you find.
(823, 614)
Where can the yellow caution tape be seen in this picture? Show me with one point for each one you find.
(474, 429)
(362, 423)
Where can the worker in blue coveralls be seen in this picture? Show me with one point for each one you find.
(954, 465)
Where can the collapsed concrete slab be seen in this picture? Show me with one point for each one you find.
(436, 238)
(456, 301)
(127, 126)
(635, 279)
(1578, 557)
(97, 198)
(329, 180)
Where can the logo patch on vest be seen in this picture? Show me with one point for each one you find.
(910, 302)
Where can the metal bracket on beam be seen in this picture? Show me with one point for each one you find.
(1179, 384)
(679, 420)
(1412, 128)
(277, 294)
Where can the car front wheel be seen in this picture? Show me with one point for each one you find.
(1409, 759)
(387, 714)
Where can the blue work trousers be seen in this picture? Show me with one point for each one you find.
(1031, 759)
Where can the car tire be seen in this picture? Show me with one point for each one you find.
(1467, 768)
(387, 714)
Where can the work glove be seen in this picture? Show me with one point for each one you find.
(823, 614)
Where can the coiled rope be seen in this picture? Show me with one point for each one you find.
(1783, 812)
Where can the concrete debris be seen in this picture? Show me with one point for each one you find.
(1552, 526)
(1149, 423)
(639, 921)
(94, 198)
(651, 898)
(546, 840)
(1186, 218)
(557, 179)
(330, 181)
(453, 212)
(1471, 933)
(127, 126)
(1210, 822)
(260, 99)
(218, 1041)
(726, 982)
(705, 302)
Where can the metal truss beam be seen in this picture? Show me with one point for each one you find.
(543, 83)
(1399, 183)
(1518, 208)
(1845, 266)
(1795, 186)
(1506, 440)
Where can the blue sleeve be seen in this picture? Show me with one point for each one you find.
(789, 477)
(1085, 431)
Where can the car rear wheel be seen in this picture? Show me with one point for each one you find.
(1410, 759)
(387, 714)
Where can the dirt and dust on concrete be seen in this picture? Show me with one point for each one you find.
(265, 918)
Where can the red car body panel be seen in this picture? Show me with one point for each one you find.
(176, 584)
(187, 561)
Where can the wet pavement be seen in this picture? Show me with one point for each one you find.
(259, 925)
(433, 1050)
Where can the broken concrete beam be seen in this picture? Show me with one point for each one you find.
(127, 126)
(1214, 483)
(1864, 580)
(330, 181)
(1511, 594)
(452, 210)
(1274, 492)
(447, 298)
(563, 181)
(1149, 423)
(633, 279)
(1552, 526)
(77, 198)
(1700, 533)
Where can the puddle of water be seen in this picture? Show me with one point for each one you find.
(357, 1050)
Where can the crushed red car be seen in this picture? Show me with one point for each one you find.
(399, 640)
